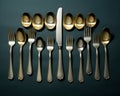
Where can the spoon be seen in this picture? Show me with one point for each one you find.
(105, 39)
(38, 21)
(50, 21)
(79, 21)
(80, 46)
(91, 20)
(39, 45)
(68, 21)
(21, 39)
(26, 20)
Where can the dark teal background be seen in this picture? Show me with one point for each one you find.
(108, 15)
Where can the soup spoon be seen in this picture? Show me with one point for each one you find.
(68, 21)
(26, 20)
(50, 21)
(79, 22)
(21, 39)
(105, 39)
(80, 47)
(37, 21)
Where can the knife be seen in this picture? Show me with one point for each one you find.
(60, 73)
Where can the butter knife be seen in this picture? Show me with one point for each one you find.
(60, 73)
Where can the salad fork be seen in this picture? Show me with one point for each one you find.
(87, 38)
(11, 42)
(96, 44)
(69, 47)
(31, 40)
(50, 47)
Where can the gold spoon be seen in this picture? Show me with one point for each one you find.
(105, 39)
(68, 21)
(79, 21)
(37, 21)
(21, 39)
(91, 20)
(50, 21)
(26, 20)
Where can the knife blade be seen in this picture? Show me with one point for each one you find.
(60, 73)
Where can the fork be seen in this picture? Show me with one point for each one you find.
(96, 44)
(87, 38)
(31, 40)
(69, 48)
(11, 42)
(50, 47)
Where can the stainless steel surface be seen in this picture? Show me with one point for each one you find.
(60, 73)
(69, 47)
(11, 43)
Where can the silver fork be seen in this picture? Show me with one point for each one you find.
(87, 38)
(31, 40)
(50, 47)
(69, 47)
(96, 44)
(11, 42)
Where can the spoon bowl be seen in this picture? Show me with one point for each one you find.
(37, 21)
(68, 21)
(91, 20)
(26, 20)
(50, 21)
(80, 44)
(79, 22)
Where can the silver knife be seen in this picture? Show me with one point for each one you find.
(60, 73)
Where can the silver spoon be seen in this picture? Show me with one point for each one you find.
(50, 21)
(80, 46)
(40, 46)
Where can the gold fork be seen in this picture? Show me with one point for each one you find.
(11, 42)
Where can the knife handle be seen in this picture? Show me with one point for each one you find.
(60, 74)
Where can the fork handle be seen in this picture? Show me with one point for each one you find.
(60, 74)
(29, 69)
(10, 73)
(80, 76)
(70, 74)
(49, 76)
(106, 69)
(20, 72)
(39, 75)
(88, 67)
(97, 69)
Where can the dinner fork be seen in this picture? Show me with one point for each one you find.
(96, 44)
(31, 40)
(69, 47)
(11, 42)
(50, 47)
(87, 38)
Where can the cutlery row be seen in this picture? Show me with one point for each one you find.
(40, 45)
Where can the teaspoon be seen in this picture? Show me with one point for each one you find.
(105, 39)
(39, 45)
(37, 21)
(68, 21)
(50, 21)
(80, 46)
(21, 39)
(79, 21)
(26, 20)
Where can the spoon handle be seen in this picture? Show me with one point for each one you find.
(29, 69)
(49, 76)
(20, 73)
(89, 67)
(10, 73)
(106, 69)
(39, 75)
(70, 74)
(97, 69)
(60, 74)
